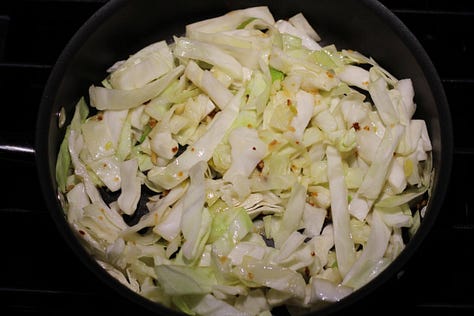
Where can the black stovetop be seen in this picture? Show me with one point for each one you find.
(39, 273)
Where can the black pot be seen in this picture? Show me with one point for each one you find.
(122, 27)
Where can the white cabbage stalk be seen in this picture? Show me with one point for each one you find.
(259, 88)
(138, 117)
(230, 20)
(306, 40)
(247, 150)
(99, 224)
(209, 305)
(108, 170)
(322, 244)
(118, 275)
(211, 54)
(300, 258)
(255, 303)
(157, 209)
(177, 171)
(375, 177)
(130, 185)
(77, 199)
(396, 217)
(302, 25)
(379, 92)
(163, 144)
(293, 242)
(149, 63)
(400, 199)
(312, 135)
(205, 81)
(185, 280)
(124, 145)
(97, 138)
(115, 121)
(115, 99)
(405, 87)
(354, 110)
(272, 276)
(313, 220)
(396, 176)
(244, 248)
(345, 251)
(370, 261)
(258, 203)
(326, 121)
(247, 45)
(75, 145)
(324, 290)
(196, 220)
(304, 112)
(292, 215)
(355, 76)
(313, 77)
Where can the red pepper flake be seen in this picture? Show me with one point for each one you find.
(100, 116)
(174, 149)
(313, 254)
(272, 144)
(253, 148)
(152, 122)
(329, 74)
(82, 232)
(193, 149)
(250, 276)
(223, 259)
(180, 174)
(288, 102)
(367, 128)
(356, 126)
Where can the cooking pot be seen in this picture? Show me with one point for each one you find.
(122, 27)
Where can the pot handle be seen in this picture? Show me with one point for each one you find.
(16, 147)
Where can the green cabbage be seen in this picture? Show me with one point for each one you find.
(252, 168)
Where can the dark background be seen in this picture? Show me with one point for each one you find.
(39, 274)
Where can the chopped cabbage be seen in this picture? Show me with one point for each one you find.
(245, 166)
